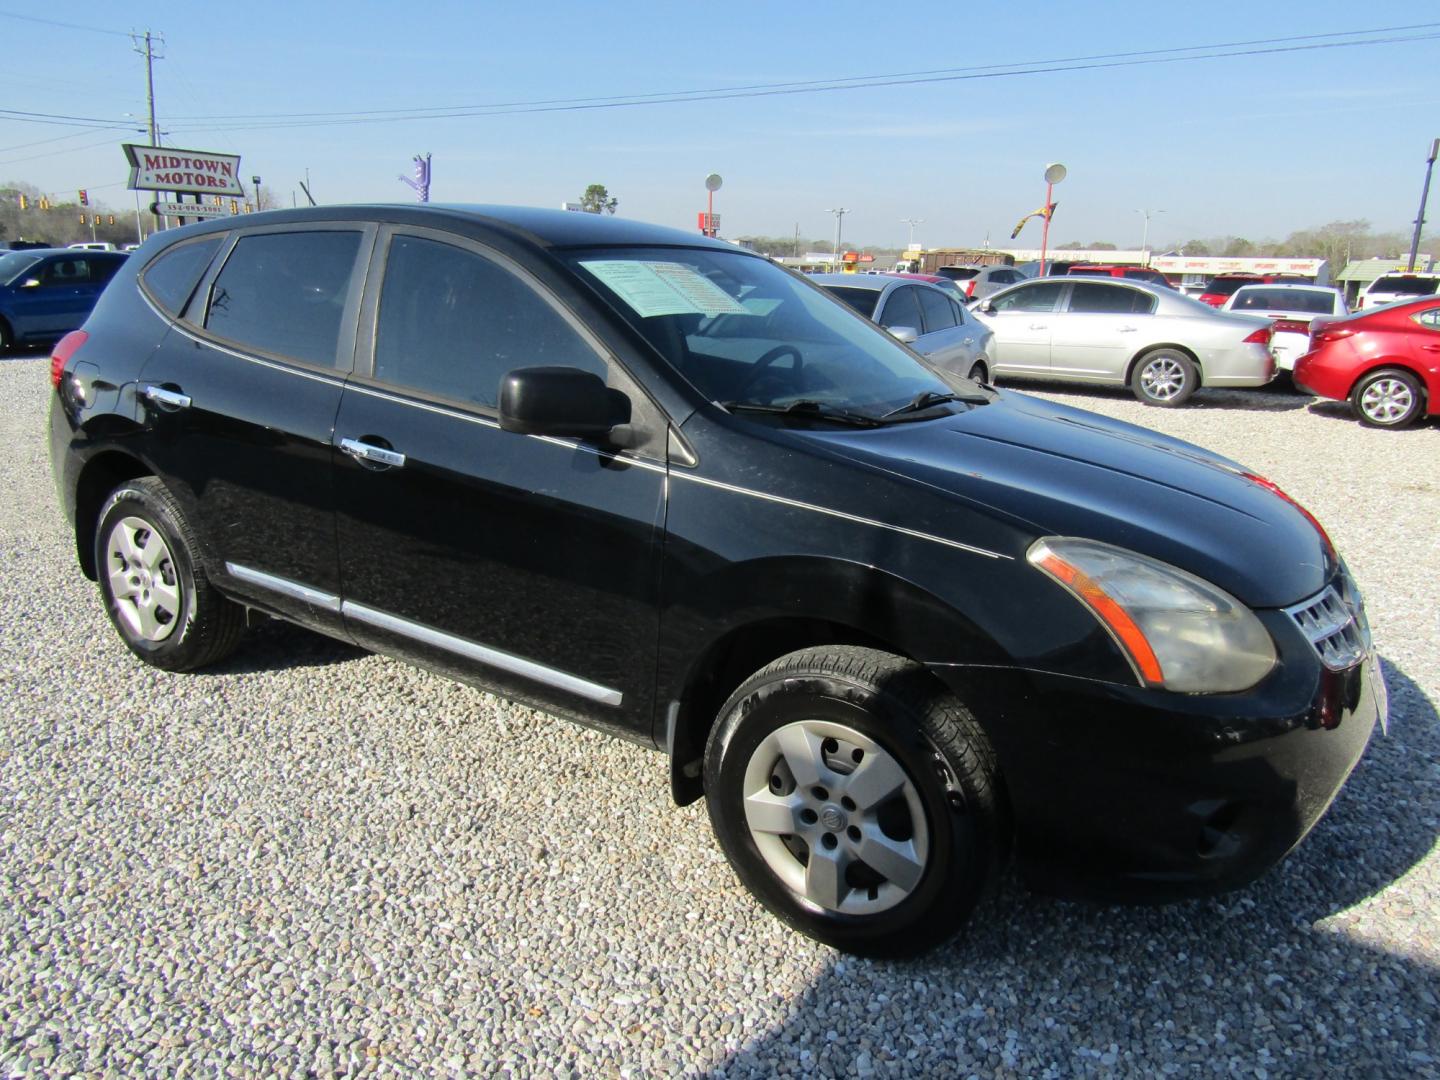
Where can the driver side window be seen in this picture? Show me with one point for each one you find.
(452, 322)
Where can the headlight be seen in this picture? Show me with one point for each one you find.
(1178, 631)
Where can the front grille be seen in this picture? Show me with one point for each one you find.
(1334, 623)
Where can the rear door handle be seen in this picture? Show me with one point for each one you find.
(1127, 329)
(171, 399)
(374, 455)
(1039, 326)
(1431, 348)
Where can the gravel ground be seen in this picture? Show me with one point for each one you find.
(316, 861)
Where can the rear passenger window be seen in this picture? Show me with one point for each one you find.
(1038, 297)
(936, 309)
(453, 322)
(285, 293)
(171, 277)
(1109, 299)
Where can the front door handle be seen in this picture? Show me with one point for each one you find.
(1127, 329)
(1431, 348)
(1039, 326)
(171, 399)
(371, 454)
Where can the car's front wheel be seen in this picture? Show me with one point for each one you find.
(1164, 377)
(856, 799)
(152, 578)
(1389, 398)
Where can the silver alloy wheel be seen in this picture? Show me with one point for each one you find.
(143, 581)
(1386, 400)
(1163, 378)
(836, 817)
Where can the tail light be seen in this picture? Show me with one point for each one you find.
(1213, 299)
(1331, 333)
(1292, 326)
(65, 348)
(1259, 337)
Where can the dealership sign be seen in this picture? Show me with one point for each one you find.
(166, 168)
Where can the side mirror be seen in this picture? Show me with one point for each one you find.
(30, 283)
(560, 401)
(906, 335)
(986, 306)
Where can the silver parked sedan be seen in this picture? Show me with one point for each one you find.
(921, 315)
(1161, 344)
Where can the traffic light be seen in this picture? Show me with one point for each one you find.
(84, 197)
(24, 203)
(110, 219)
(82, 219)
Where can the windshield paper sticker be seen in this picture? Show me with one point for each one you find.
(664, 288)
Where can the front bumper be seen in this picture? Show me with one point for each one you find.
(1123, 793)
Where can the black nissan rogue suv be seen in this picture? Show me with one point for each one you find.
(892, 624)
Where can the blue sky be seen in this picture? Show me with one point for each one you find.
(1256, 146)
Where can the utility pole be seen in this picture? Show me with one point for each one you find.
(839, 213)
(1145, 243)
(150, 57)
(912, 222)
(797, 240)
(1424, 198)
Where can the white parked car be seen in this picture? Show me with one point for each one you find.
(923, 316)
(1389, 288)
(1162, 345)
(92, 245)
(1292, 307)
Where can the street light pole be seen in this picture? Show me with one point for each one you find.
(1145, 243)
(839, 213)
(1424, 198)
(1054, 173)
(912, 222)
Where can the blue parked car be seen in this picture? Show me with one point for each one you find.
(47, 292)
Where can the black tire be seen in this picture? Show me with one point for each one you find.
(1388, 398)
(153, 581)
(865, 710)
(1164, 377)
(978, 373)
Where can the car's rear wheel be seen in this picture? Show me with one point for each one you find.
(152, 577)
(856, 799)
(1164, 377)
(1389, 398)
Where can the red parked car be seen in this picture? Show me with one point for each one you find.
(1386, 361)
(1219, 288)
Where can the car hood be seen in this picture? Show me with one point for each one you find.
(1059, 471)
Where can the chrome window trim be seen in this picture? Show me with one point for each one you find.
(471, 650)
(284, 586)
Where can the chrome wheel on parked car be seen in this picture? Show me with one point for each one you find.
(1164, 377)
(1388, 399)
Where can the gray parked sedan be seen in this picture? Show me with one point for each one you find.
(1159, 343)
(922, 316)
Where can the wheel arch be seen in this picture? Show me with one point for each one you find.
(99, 476)
(1141, 353)
(810, 603)
(1392, 363)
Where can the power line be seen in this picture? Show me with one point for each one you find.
(295, 120)
(66, 25)
(815, 85)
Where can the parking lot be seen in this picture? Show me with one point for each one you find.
(314, 860)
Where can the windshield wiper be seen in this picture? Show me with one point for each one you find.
(810, 410)
(929, 398)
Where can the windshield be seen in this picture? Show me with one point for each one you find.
(15, 263)
(743, 330)
(1406, 285)
(1308, 301)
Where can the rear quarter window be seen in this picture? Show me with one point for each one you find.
(172, 275)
